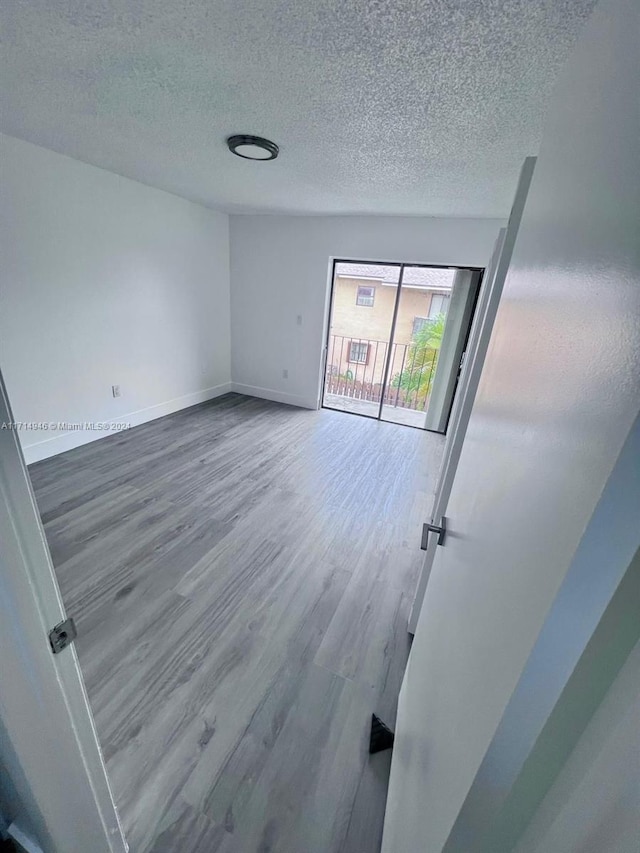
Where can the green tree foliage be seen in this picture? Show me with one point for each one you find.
(421, 360)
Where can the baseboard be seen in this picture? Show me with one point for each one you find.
(69, 440)
(272, 394)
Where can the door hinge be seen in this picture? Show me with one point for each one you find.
(62, 635)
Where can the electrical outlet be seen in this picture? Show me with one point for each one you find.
(115, 390)
(285, 374)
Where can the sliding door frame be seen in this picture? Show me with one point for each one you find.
(392, 333)
(401, 265)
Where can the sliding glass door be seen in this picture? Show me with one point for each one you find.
(362, 311)
(396, 339)
(423, 304)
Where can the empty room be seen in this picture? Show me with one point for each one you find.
(319, 427)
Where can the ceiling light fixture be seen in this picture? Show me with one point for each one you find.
(252, 147)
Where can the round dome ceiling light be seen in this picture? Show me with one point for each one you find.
(252, 147)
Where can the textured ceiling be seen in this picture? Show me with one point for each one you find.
(379, 106)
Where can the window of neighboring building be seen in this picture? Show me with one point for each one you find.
(439, 304)
(359, 352)
(365, 296)
(418, 324)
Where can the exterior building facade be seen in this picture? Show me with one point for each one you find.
(364, 297)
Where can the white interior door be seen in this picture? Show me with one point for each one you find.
(476, 351)
(556, 404)
(54, 789)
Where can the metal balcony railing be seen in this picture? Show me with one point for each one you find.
(355, 369)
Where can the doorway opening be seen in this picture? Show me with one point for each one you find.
(396, 340)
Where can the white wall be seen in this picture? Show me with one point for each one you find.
(280, 269)
(105, 281)
(594, 804)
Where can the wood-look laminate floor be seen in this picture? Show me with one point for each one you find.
(241, 574)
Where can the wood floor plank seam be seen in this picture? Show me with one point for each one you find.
(241, 574)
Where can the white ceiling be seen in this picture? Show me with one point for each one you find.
(379, 106)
